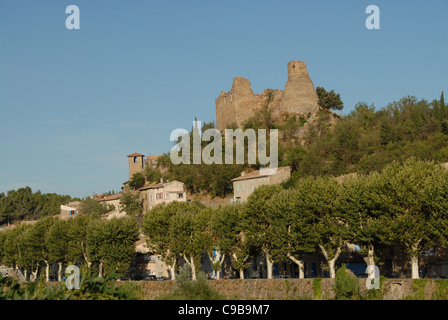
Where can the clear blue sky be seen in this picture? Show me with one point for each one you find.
(74, 103)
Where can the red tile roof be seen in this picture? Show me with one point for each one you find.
(97, 196)
(154, 157)
(157, 185)
(135, 154)
(258, 174)
(111, 197)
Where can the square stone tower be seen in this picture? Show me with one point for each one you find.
(136, 163)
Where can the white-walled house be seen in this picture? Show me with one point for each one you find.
(244, 185)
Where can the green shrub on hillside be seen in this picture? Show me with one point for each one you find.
(346, 285)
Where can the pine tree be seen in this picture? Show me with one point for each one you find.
(443, 107)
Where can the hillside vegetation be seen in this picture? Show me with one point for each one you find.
(364, 141)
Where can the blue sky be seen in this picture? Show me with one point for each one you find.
(74, 103)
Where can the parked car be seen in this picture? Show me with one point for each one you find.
(282, 276)
(362, 275)
(160, 278)
(437, 276)
(150, 277)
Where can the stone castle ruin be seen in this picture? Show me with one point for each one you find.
(241, 103)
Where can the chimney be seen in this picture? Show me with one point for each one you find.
(161, 180)
(243, 173)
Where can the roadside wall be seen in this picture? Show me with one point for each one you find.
(281, 289)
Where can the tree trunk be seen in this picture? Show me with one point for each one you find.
(331, 262)
(414, 261)
(60, 271)
(220, 259)
(100, 270)
(34, 273)
(370, 261)
(193, 267)
(84, 254)
(172, 273)
(414, 267)
(269, 265)
(240, 270)
(300, 264)
(47, 271)
(172, 269)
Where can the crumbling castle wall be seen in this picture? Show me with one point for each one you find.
(240, 103)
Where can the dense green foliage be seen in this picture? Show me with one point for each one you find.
(103, 245)
(346, 284)
(213, 179)
(131, 203)
(23, 203)
(92, 206)
(368, 139)
(329, 99)
(187, 289)
(137, 181)
(364, 141)
(91, 288)
(405, 205)
(400, 197)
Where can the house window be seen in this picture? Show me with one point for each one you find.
(243, 186)
(180, 195)
(167, 195)
(238, 199)
(237, 187)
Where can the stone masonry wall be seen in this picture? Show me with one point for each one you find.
(240, 103)
(282, 289)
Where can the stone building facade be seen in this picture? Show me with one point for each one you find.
(163, 192)
(244, 185)
(239, 104)
(137, 163)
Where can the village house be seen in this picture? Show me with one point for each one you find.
(244, 185)
(163, 192)
(69, 210)
(113, 199)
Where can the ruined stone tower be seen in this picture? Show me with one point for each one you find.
(240, 103)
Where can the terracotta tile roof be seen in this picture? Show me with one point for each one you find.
(157, 185)
(111, 197)
(97, 196)
(135, 154)
(258, 174)
(154, 157)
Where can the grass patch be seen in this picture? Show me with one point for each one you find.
(187, 289)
